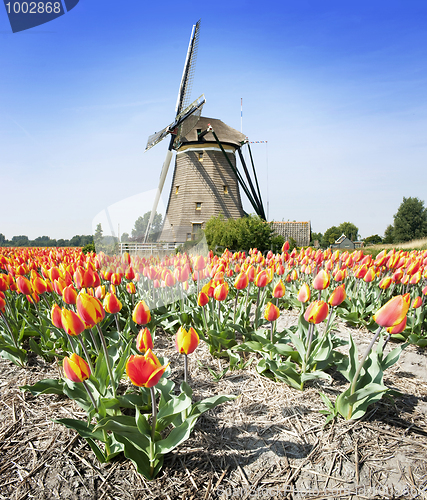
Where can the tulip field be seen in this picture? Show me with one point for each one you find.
(143, 354)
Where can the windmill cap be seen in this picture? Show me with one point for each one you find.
(225, 133)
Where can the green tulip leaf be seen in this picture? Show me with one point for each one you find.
(47, 386)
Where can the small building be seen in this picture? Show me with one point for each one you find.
(344, 242)
(299, 231)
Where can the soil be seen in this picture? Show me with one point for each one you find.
(271, 442)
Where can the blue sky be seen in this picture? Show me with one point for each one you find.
(338, 89)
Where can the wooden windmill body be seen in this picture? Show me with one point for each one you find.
(205, 180)
(203, 184)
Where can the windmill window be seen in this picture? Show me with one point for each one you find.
(188, 236)
(198, 206)
(199, 131)
(176, 189)
(200, 155)
(196, 227)
(225, 189)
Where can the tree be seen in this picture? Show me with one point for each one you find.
(349, 229)
(389, 234)
(20, 241)
(2, 239)
(140, 227)
(410, 220)
(315, 237)
(239, 234)
(330, 236)
(373, 240)
(125, 237)
(334, 232)
(97, 238)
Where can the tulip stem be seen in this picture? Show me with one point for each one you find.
(256, 309)
(204, 319)
(386, 340)
(89, 362)
(90, 395)
(95, 344)
(235, 306)
(117, 322)
(329, 320)
(271, 331)
(310, 338)
(107, 359)
(185, 368)
(153, 428)
(359, 368)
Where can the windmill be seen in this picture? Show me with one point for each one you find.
(205, 180)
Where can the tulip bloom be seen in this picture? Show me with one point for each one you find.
(337, 296)
(339, 275)
(393, 312)
(394, 330)
(55, 315)
(2, 304)
(199, 263)
(90, 309)
(203, 299)
(24, 285)
(69, 295)
(261, 279)
(385, 283)
(417, 302)
(4, 283)
(71, 323)
(279, 290)
(130, 287)
(39, 285)
(141, 314)
(112, 304)
(316, 312)
(271, 312)
(144, 340)
(186, 342)
(322, 280)
(75, 368)
(100, 292)
(221, 292)
(304, 293)
(144, 371)
(241, 281)
(370, 275)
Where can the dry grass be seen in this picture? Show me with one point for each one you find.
(267, 442)
(414, 244)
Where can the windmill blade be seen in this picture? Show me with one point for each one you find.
(189, 68)
(156, 138)
(183, 123)
(163, 175)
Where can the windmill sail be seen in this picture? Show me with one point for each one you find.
(183, 114)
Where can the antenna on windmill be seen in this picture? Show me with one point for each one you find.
(186, 117)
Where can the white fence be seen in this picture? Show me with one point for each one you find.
(135, 248)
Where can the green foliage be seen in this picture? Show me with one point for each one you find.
(140, 227)
(90, 247)
(410, 220)
(45, 241)
(239, 234)
(316, 237)
(373, 240)
(334, 232)
(330, 236)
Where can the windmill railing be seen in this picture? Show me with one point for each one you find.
(136, 248)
